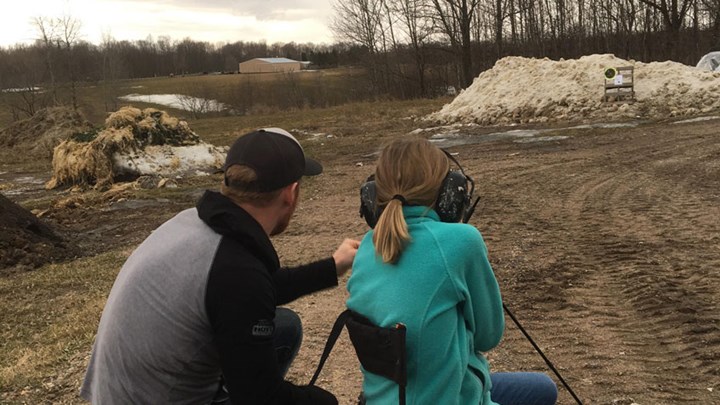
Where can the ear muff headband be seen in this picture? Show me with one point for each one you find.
(452, 205)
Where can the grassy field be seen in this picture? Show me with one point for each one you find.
(246, 94)
(49, 320)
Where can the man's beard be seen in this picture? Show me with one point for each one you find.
(282, 224)
(284, 221)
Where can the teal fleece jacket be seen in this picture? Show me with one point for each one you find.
(444, 290)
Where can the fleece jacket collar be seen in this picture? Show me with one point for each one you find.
(420, 211)
(230, 220)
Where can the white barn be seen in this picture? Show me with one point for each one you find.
(269, 65)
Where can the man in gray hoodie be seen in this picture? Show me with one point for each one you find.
(194, 308)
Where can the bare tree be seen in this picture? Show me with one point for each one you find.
(361, 22)
(47, 28)
(21, 74)
(112, 69)
(673, 12)
(417, 27)
(455, 17)
(500, 16)
(712, 8)
(196, 105)
(358, 21)
(59, 35)
(69, 34)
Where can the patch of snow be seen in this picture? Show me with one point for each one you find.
(21, 89)
(171, 161)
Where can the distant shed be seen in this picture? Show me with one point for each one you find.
(269, 65)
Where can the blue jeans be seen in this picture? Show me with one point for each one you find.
(507, 388)
(287, 341)
(523, 389)
(288, 337)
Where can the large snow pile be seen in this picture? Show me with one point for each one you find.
(524, 90)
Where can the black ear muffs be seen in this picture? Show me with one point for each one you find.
(453, 203)
(368, 202)
(453, 197)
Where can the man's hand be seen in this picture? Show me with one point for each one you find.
(344, 255)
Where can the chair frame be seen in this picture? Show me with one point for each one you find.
(381, 350)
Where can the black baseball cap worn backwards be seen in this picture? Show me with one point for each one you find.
(275, 155)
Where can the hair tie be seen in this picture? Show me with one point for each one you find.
(399, 198)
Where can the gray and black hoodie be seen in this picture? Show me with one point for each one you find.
(183, 310)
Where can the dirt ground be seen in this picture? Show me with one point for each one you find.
(606, 245)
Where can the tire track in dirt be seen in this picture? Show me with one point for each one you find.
(648, 270)
(620, 249)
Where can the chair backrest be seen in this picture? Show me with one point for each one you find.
(380, 350)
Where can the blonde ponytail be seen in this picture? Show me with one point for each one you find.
(391, 232)
(409, 172)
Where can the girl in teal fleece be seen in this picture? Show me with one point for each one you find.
(432, 276)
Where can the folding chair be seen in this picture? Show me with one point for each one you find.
(380, 350)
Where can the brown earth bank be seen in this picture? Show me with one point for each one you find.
(606, 245)
(27, 242)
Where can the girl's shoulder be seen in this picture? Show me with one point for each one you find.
(457, 230)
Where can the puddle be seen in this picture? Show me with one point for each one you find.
(607, 125)
(457, 137)
(179, 101)
(28, 180)
(14, 184)
(15, 192)
(543, 139)
(698, 119)
(135, 204)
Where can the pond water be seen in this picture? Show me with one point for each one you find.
(178, 101)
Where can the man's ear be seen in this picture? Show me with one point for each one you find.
(291, 193)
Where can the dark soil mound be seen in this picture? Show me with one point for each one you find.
(25, 241)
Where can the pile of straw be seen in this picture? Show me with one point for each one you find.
(127, 131)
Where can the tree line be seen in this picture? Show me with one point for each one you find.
(408, 48)
(405, 39)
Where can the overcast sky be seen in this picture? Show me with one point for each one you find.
(206, 20)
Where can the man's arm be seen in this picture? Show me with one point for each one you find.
(294, 282)
(240, 302)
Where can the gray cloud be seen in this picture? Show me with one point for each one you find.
(261, 9)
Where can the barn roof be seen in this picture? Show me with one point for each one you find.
(277, 60)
